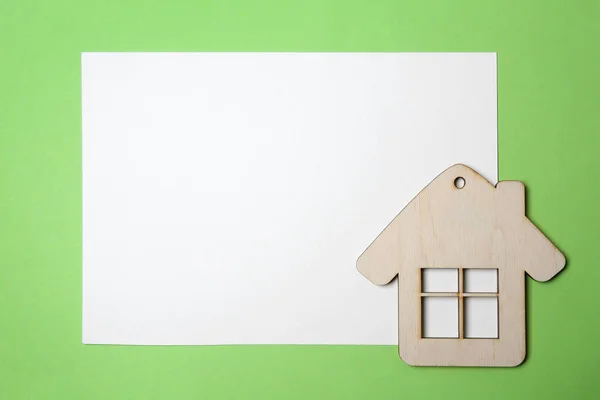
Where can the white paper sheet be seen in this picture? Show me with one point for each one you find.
(227, 196)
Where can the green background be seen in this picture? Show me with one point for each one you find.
(549, 127)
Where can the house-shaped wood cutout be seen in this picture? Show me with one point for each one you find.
(462, 223)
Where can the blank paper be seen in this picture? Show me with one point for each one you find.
(227, 196)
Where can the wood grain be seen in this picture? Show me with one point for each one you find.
(477, 226)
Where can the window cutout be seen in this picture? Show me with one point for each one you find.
(439, 280)
(481, 280)
(439, 316)
(481, 317)
(460, 182)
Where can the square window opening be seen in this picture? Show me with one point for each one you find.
(480, 280)
(440, 317)
(439, 280)
(481, 317)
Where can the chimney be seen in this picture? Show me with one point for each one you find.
(510, 195)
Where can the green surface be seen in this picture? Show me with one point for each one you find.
(549, 129)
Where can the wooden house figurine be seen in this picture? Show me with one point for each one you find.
(462, 223)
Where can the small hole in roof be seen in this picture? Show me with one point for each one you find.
(460, 182)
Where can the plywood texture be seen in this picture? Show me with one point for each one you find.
(476, 226)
